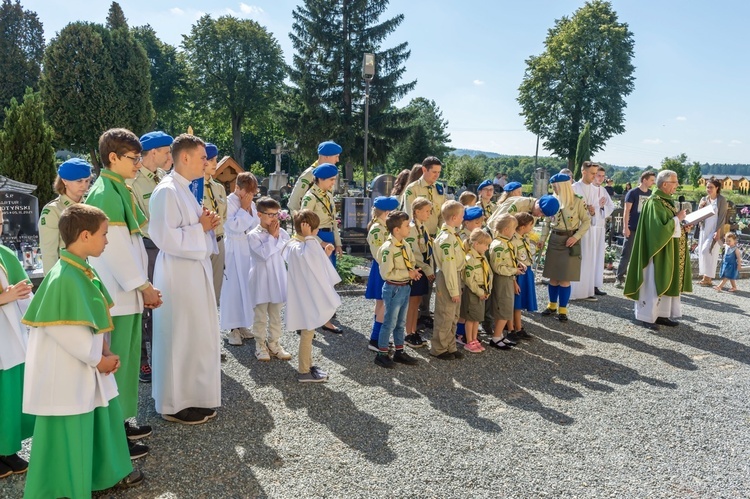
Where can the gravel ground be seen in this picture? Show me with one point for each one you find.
(597, 407)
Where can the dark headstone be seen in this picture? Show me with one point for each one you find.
(356, 213)
(20, 231)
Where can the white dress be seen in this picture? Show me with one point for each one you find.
(236, 302)
(186, 355)
(708, 258)
(268, 276)
(584, 287)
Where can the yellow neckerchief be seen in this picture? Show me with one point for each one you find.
(401, 246)
(511, 250)
(453, 230)
(429, 192)
(485, 270)
(210, 193)
(525, 245)
(487, 209)
(325, 201)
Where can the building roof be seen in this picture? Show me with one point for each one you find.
(720, 176)
(7, 184)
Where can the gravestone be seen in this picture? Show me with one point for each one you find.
(382, 185)
(541, 183)
(20, 231)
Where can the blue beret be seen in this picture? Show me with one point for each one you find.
(211, 151)
(324, 171)
(386, 203)
(512, 186)
(549, 205)
(473, 212)
(152, 140)
(74, 169)
(329, 148)
(486, 183)
(558, 177)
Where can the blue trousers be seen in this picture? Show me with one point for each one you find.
(327, 237)
(396, 300)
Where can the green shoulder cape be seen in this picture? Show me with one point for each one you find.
(121, 209)
(653, 240)
(11, 266)
(71, 294)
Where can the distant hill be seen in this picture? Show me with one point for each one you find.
(472, 153)
(738, 169)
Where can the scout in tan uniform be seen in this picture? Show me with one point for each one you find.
(450, 257)
(215, 199)
(398, 270)
(542, 207)
(473, 219)
(328, 152)
(319, 199)
(422, 247)
(427, 187)
(72, 182)
(486, 192)
(477, 277)
(506, 267)
(563, 259)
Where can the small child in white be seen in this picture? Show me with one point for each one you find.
(268, 278)
(311, 297)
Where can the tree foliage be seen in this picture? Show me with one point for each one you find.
(21, 52)
(464, 170)
(583, 150)
(426, 134)
(583, 75)
(236, 65)
(330, 39)
(678, 164)
(116, 17)
(26, 152)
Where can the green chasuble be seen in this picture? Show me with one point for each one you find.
(71, 294)
(120, 209)
(12, 267)
(653, 240)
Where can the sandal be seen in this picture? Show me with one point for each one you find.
(334, 329)
(732, 290)
(135, 478)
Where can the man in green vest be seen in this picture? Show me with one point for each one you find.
(659, 269)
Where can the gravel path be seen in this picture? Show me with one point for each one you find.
(597, 407)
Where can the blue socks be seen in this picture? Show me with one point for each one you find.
(375, 330)
(564, 296)
(554, 293)
(461, 329)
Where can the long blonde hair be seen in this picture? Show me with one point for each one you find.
(564, 193)
(376, 214)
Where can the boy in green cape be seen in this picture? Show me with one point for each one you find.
(79, 441)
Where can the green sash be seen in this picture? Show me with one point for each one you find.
(12, 267)
(120, 209)
(653, 240)
(71, 294)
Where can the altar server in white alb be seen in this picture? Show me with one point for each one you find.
(268, 280)
(603, 211)
(595, 198)
(311, 297)
(236, 303)
(186, 355)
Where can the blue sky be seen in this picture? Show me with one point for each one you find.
(691, 65)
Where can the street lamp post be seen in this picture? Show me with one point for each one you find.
(368, 73)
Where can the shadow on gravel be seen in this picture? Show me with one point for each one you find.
(712, 343)
(711, 304)
(328, 407)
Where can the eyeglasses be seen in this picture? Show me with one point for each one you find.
(134, 159)
(275, 214)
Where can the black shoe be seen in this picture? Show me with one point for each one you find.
(334, 329)
(650, 325)
(16, 464)
(500, 345)
(513, 336)
(598, 292)
(548, 311)
(426, 322)
(383, 360)
(562, 317)
(404, 358)
(186, 416)
(523, 335)
(145, 375)
(5, 470)
(137, 450)
(446, 356)
(209, 413)
(135, 432)
(414, 340)
(508, 341)
(458, 355)
(666, 321)
(135, 478)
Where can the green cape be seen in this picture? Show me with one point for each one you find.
(653, 240)
(11, 266)
(120, 209)
(71, 294)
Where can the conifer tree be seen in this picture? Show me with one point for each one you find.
(116, 17)
(26, 152)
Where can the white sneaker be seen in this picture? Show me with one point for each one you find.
(279, 353)
(235, 338)
(246, 334)
(262, 355)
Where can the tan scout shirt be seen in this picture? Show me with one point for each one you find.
(477, 274)
(450, 258)
(489, 208)
(420, 247)
(215, 199)
(502, 257)
(395, 260)
(314, 200)
(301, 186)
(143, 186)
(376, 237)
(525, 249)
(577, 218)
(434, 193)
(512, 205)
(50, 241)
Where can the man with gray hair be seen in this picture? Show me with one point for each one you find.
(659, 269)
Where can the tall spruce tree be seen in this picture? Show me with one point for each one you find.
(21, 52)
(26, 152)
(116, 17)
(583, 150)
(426, 134)
(330, 38)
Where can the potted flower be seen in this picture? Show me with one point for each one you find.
(609, 258)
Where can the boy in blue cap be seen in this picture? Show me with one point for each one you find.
(486, 191)
(328, 152)
(215, 199)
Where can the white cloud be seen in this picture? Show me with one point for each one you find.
(717, 141)
(734, 142)
(681, 118)
(250, 9)
(652, 141)
(177, 11)
(478, 82)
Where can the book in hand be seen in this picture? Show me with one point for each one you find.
(699, 215)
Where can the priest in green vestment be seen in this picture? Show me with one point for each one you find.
(659, 269)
